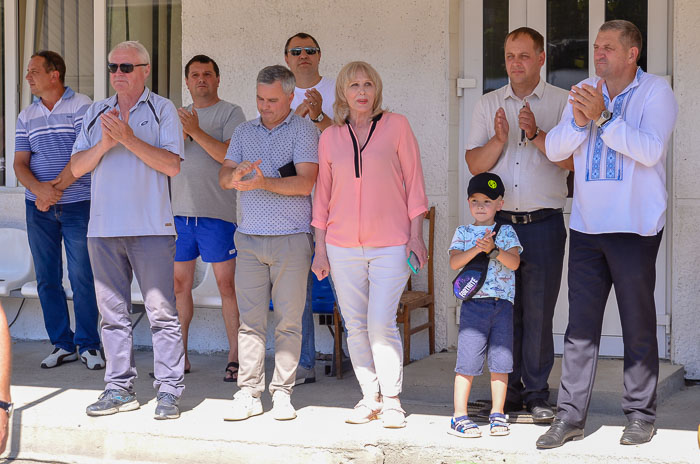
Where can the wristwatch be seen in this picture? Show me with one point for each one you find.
(537, 132)
(9, 407)
(493, 254)
(319, 118)
(605, 116)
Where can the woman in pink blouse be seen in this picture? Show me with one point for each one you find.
(368, 214)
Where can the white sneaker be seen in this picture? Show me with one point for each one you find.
(282, 408)
(244, 406)
(93, 359)
(366, 410)
(57, 357)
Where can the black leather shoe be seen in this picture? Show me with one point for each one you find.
(541, 411)
(559, 433)
(637, 432)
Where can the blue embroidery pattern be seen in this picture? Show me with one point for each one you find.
(613, 160)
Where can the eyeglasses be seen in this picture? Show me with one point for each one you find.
(126, 68)
(296, 51)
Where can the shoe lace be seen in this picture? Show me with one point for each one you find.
(110, 393)
(167, 398)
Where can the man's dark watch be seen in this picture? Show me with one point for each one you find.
(319, 118)
(9, 407)
(537, 132)
(493, 254)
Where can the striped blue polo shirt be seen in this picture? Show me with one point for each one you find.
(49, 137)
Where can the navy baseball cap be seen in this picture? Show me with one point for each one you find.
(487, 183)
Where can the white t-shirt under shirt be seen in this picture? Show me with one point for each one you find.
(326, 87)
(195, 190)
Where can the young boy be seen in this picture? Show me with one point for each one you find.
(486, 320)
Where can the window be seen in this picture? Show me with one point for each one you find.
(495, 30)
(567, 42)
(157, 25)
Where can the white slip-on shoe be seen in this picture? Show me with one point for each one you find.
(244, 406)
(93, 359)
(282, 408)
(365, 411)
(57, 357)
(393, 417)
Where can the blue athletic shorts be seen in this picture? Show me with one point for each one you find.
(485, 324)
(211, 238)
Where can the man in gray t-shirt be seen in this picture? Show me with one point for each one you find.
(205, 214)
(273, 162)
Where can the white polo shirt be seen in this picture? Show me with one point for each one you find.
(129, 198)
(620, 169)
(532, 182)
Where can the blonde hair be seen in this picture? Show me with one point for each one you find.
(341, 109)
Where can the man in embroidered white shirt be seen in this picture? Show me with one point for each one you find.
(617, 124)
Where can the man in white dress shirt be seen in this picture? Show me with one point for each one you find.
(617, 124)
(506, 137)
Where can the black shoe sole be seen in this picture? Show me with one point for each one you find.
(573, 438)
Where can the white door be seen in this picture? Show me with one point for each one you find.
(569, 28)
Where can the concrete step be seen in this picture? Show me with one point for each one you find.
(50, 423)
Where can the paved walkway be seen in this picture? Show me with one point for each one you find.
(50, 424)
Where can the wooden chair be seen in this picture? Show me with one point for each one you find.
(410, 301)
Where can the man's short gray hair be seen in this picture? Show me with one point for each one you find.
(630, 36)
(132, 45)
(271, 74)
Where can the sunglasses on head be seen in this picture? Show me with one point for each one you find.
(296, 51)
(126, 68)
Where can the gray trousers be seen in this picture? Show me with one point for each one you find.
(274, 266)
(150, 258)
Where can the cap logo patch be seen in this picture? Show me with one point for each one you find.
(492, 183)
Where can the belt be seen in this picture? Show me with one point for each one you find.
(528, 218)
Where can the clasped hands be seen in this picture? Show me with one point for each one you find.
(242, 170)
(47, 194)
(526, 122)
(486, 243)
(587, 102)
(312, 104)
(115, 130)
(189, 121)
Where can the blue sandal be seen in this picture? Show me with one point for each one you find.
(499, 422)
(464, 427)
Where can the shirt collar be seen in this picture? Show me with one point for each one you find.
(635, 83)
(145, 95)
(258, 121)
(67, 94)
(538, 91)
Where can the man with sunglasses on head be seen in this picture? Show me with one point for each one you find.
(58, 209)
(205, 215)
(132, 143)
(314, 96)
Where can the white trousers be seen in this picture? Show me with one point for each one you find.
(369, 282)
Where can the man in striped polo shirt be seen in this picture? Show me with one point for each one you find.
(58, 208)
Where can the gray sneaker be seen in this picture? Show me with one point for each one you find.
(112, 402)
(167, 406)
(304, 375)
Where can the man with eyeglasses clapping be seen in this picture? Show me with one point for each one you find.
(132, 143)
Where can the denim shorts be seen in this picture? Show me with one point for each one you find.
(485, 323)
(209, 237)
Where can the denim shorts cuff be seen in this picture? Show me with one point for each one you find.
(470, 374)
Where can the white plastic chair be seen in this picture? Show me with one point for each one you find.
(16, 267)
(206, 294)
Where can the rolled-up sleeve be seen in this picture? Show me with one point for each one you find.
(412, 170)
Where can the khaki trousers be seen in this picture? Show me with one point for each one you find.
(267, 266)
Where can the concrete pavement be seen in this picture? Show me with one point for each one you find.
(50, 423)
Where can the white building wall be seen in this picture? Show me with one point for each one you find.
(685, 288)
(406, 41)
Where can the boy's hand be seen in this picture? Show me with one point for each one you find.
(486, 243)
